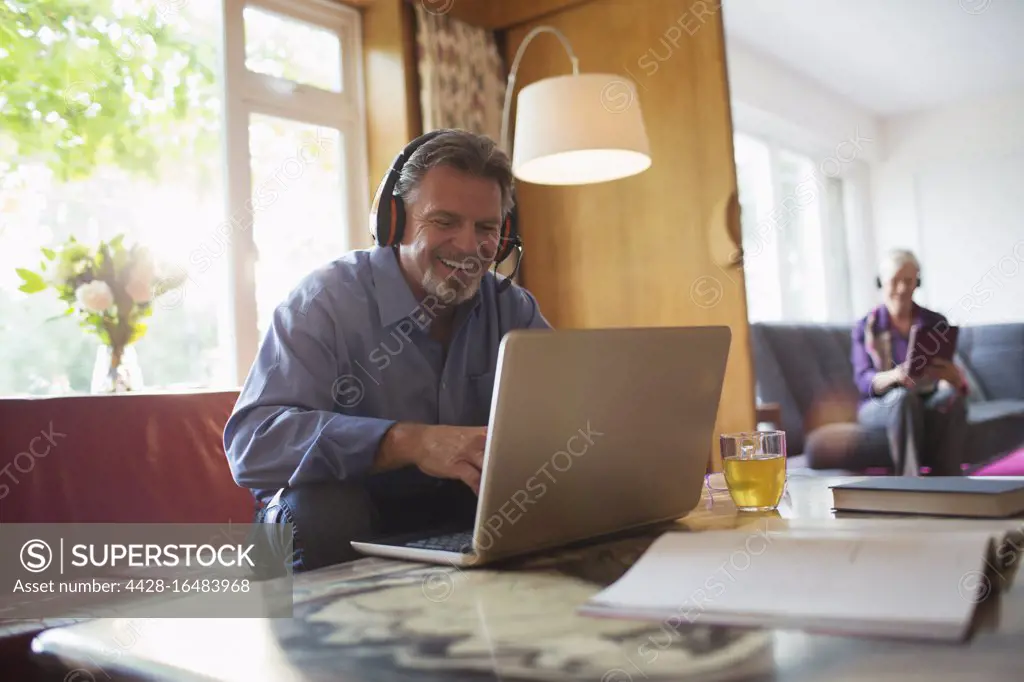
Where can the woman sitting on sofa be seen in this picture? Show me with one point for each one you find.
(924, 418)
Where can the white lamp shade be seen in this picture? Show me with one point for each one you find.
(579, 129)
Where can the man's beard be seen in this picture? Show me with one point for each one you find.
(449, 290)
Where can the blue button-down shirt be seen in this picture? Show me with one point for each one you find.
(347, 356)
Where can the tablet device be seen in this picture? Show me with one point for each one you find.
(928, 342)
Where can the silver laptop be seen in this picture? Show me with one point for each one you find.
(592, 432)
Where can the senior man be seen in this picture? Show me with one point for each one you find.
(365, 411)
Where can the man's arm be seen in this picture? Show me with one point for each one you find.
(528, 315)
(284, 430)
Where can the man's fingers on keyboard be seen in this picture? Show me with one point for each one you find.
(469, 475)
(476, 458)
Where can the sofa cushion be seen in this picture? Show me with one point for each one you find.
(995, 355)
(975, 389)
(995, 410)
(995, 427)
(807, 370)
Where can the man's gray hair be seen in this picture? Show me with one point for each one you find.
(469, 152)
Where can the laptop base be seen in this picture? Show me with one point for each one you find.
(452, 545)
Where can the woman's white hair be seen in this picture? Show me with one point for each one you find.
(895, 259)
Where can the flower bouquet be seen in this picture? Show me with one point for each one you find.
(112, 289)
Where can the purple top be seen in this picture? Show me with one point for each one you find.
(864, 368)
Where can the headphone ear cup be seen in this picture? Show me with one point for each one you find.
(397, 226)
(387, 217)
(386, 213)
(509, 237)
(378, 214)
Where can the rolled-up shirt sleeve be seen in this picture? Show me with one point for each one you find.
(863, 368)
(284, 430)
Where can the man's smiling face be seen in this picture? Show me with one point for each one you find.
(451, 234)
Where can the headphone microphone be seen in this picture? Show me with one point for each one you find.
(507, 282)
(388, 211)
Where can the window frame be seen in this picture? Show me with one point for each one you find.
(839, 228)
(247, 93)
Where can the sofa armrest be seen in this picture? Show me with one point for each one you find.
(145, 457)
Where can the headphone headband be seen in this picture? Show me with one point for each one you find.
(388, 214)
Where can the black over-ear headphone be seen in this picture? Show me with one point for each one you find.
(878, 282)
(387, 214)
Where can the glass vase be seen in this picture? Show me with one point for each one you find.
(111, 374)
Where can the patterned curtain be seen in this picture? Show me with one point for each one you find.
(462, 76)
(462, 80)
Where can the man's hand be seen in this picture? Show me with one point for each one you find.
(453, 452)
(439, 451)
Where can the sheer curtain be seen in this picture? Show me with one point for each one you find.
(795, 255)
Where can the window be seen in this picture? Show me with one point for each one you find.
(249, 173)
(795, 260)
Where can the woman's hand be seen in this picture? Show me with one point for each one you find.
(944, 370)
(891, 378)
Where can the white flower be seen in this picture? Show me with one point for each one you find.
(95, 296)
(140, 279)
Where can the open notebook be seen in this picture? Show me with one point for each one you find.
(894, 582)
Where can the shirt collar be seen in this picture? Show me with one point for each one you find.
(885, 319)
(394, 297)
(395, 300)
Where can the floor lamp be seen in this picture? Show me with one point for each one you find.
(576, 129)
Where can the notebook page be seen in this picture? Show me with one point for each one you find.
(807, 576)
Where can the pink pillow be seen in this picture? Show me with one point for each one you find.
(1011, 465)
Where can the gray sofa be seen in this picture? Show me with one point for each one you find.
(806, 370)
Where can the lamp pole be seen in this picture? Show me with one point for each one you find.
(507, 109)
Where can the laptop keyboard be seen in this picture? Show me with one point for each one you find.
(460, 542)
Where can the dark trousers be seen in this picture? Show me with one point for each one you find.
(923, 430)
(327, 516)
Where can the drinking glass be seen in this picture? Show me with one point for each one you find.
(755, 468)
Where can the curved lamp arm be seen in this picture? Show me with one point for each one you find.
(507, 109)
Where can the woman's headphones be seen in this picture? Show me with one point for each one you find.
(387, 217)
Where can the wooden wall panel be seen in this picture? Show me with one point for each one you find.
(499, 14)
(391, 83)
(644, 251)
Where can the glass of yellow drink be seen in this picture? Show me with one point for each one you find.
(755, 468)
